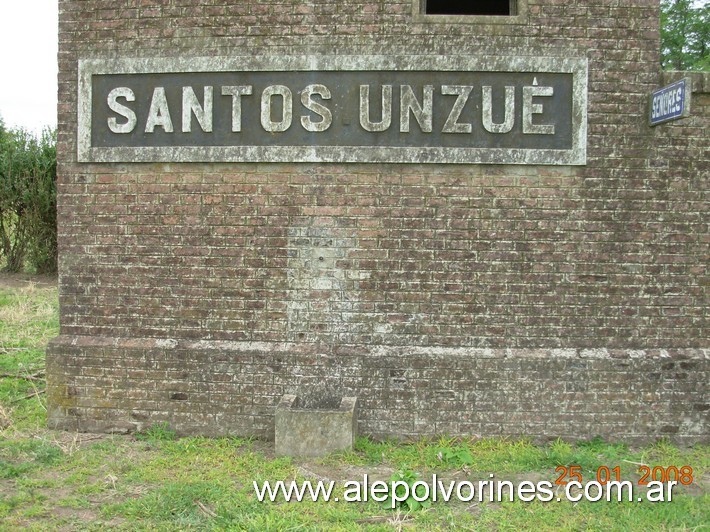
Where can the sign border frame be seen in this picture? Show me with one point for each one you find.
(576, 155)
(687, 99)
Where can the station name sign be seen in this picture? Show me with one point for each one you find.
(359, 109)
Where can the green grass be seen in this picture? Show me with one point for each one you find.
(158, 481)
(28, 319)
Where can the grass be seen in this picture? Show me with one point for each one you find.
(158, 481)
(28, 319)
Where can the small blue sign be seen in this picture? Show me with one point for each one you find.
(670, 102)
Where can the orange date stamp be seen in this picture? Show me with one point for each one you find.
(681, 475)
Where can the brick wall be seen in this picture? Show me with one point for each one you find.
(548, 301)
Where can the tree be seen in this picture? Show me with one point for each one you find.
(685, 35)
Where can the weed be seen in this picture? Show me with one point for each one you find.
(409, 493)
(157, 432)
(454, 453)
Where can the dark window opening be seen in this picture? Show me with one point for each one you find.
(469, 7)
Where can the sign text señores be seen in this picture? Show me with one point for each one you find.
(358, 115)
(670, 102)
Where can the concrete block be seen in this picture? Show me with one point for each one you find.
(314, 432)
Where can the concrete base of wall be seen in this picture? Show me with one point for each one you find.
(233, 388)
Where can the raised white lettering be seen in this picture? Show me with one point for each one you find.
(318, 108)
(365, 121)
(452, 124)
(129, 125)
(190, 106)
(159, 114)
(422, 113)
(287, 109)
(236, 92)
(530, 108)
(487, 110)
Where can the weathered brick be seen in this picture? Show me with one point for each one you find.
(377, 268)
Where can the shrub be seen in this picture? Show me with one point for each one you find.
(28, 200)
